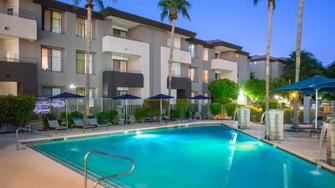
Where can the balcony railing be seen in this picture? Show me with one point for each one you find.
(17, 59)
(22, 14)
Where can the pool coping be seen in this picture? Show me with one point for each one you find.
(315, 162)
(228, 124)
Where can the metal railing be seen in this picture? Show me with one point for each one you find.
(29, 130)
(110, 176)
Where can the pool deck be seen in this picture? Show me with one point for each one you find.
(27, 168)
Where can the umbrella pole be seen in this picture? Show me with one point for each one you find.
(161, 110)
(316, 107)
(125, 113)
(67, 119)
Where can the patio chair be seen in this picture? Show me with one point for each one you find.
(92, 121)
(55, 125)
(80, 124)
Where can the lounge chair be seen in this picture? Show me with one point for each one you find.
(92, 121)
(80, 124)
(55, 125)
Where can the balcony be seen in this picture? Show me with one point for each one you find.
(124, 46)
(114, 79)
(179, 56)
(224, 65)
(18, 27)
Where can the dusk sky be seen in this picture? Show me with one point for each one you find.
(239, 22)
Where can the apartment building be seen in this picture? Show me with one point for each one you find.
(257, 66)
(43, 53)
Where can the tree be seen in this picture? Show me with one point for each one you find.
(297, 65)
(254, 89)
(171, 9)
(330, 70)
(224, 88)
(271, 4)
(312, 66)
(89, 7)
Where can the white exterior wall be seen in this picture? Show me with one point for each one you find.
(228, 69)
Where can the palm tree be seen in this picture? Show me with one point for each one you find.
(89, 7)
(171, 9)
(297, 60)
(271, 4)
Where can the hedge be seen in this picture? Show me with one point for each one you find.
(16, 110)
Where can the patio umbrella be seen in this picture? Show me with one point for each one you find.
(316, 84)
(200, 98)
(161, 97)
(126, 97)
(66, 96)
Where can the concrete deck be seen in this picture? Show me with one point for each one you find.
(27, 168)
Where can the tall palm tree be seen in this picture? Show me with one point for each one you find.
(271, 4)
(297, 60)
(89, 7)
(170, 10)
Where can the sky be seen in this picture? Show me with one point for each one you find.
(242, 23)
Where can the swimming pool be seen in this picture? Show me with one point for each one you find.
(200, 156)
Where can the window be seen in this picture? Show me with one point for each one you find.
(81, 63)
(80, 27)
(205, 54)
(91, 91)
(51, 59)
(191, 49)
(217, 76)
(176, 69)
(120, 33)
(120, 65)
(192, 74)
(50, 91)
(205, 76)
(52, 21)
(10, 11)
(121, 91)
(176, 42)
(217, 55)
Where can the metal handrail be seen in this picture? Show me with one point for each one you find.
(110, 176)
(25, 129)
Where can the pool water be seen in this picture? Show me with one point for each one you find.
(201, 156)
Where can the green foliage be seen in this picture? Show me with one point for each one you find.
(330, 70)
(174, 114)
(254, 89)
(103, 117)
(288, 115)
(224, 88)
(141, 114)
(71, 116)
(222, 100)
(16, 109)
(215, 108)
(273, 104)
(255, 113)
(113, 117)
(230, 109)
(310, 66)
(171, 9)
(182, 107)
(153, 106)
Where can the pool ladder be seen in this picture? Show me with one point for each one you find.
(130, 170)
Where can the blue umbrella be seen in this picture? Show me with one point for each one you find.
(66, 96)
(126, 97)
(161, 97)
(315, 83)
(200, 97)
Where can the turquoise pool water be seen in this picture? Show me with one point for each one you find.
(201, 156)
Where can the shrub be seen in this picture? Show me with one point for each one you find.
(71, 116)
(222, 100)
(153, 106)
(255, 113)
(272, 104)
(230, 109)
(113, 117)
(288, 115)
(254, 89)
(103, 117)
(182, 107)
(215, 108)
(16, 109)
(174, 114)
(141, 114)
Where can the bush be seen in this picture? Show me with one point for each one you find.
(224, 88)
(174, 114)
(141, 114)
(153, 106)
(71, 116)
(215, 108)
(103, 117)
(113, 117)
(255, 113)
(222, 100)
(272, 104)
(182, 107)
(16, 109)
(288, 115)
(230, 109)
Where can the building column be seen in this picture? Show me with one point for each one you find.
(307, 108)
(331, 143)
